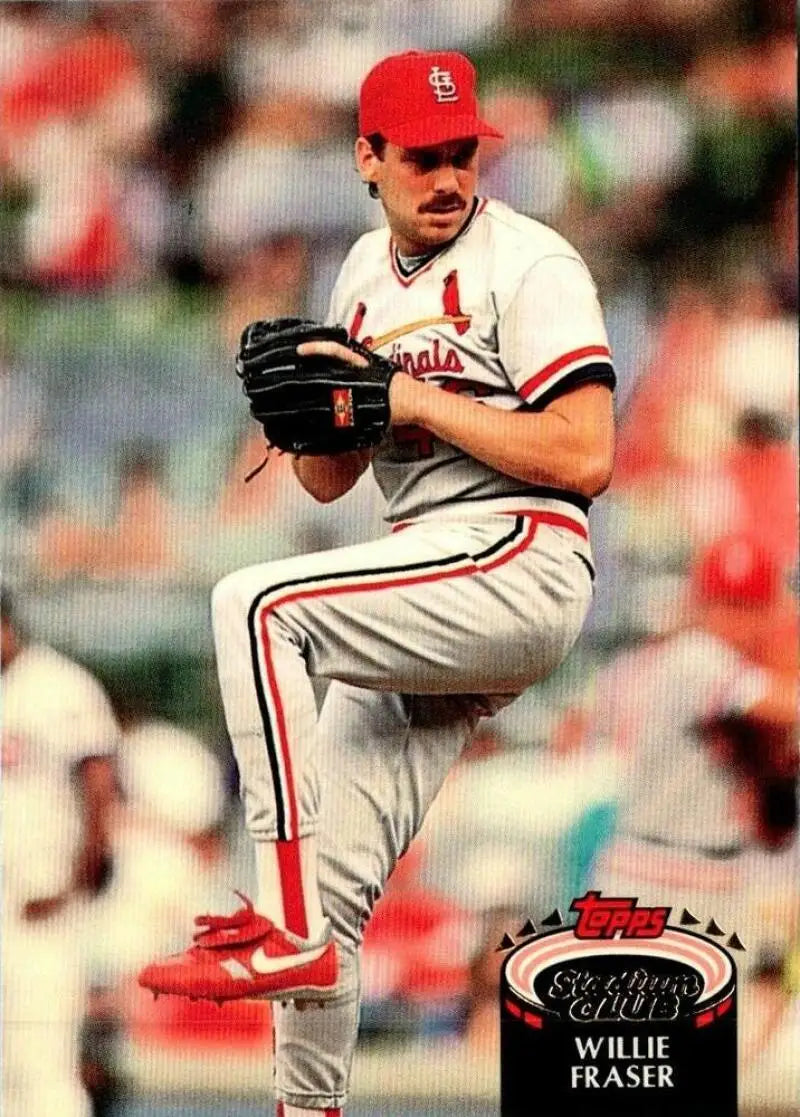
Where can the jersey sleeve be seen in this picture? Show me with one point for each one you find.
(59, 704)
(551, 335)
(90, 727)
(333, 317)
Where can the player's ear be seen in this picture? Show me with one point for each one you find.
(367, 161)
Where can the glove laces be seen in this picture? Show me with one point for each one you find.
(255, 472)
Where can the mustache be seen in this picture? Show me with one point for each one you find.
(443, 203)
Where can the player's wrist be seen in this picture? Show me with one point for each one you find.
(405, 402)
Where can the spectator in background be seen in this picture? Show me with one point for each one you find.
(71, 113)
(783, 241)
(263, 499)
(710, 421)
(143, 538)
(185, 43)
(758, 77)
(762, 467)
(64, 547)
(268, 278)
(59, 737)
(652, 16)
(22, 411)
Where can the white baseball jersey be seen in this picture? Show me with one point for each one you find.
(55, 714)
(506, 313)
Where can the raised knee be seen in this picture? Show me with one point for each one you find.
(236, 597)
(247, 597)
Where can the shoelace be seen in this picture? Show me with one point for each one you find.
(214, 927)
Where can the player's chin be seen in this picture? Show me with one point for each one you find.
(442, 226)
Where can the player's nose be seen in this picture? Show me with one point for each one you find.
(445, 180)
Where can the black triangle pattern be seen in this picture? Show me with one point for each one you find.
(688, 920)
(554, 919)
(714, 928)
(505, 943)
(735, 943)
(527, 928)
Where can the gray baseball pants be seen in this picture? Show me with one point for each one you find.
(420, 632)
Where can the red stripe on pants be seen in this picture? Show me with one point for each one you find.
(291, 874)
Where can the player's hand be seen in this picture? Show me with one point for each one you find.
(402, 390)
(332, 349)
(34, 911)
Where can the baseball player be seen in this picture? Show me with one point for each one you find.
(501, 435)
(706, 739)
(59, 737)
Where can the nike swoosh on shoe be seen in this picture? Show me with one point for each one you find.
(265, 964)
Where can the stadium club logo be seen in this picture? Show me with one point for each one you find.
(618, 1013)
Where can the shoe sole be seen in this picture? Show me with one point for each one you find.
(305, 992)
(301, 997)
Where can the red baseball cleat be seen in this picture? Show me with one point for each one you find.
(246, 955)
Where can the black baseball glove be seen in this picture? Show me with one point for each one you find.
(763, 758)
(315, 404)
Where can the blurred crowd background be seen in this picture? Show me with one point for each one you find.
(171, 170)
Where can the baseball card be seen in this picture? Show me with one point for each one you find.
(399, 600)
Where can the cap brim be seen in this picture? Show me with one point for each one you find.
(438, 130)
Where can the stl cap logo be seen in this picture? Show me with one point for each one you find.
(444, 88)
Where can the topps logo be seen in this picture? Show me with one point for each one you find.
(603, 917)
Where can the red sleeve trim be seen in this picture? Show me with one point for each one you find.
(541, 377)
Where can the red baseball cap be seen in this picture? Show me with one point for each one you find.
(421, 98)
(736, 570)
